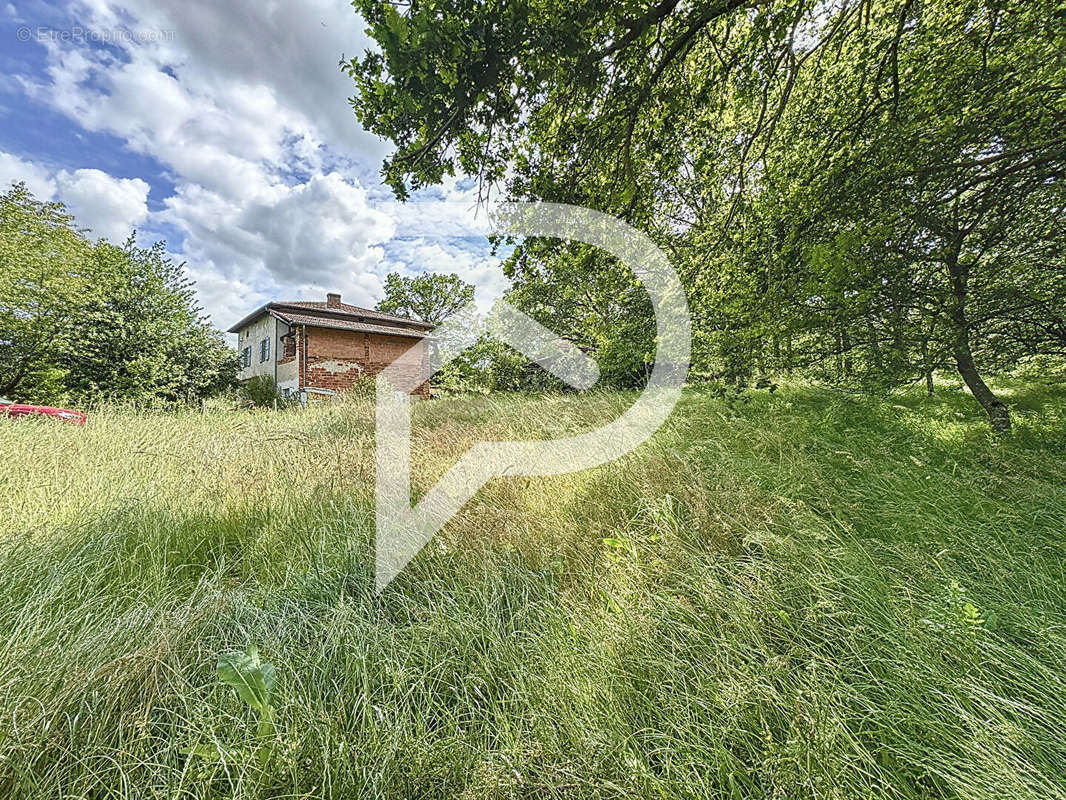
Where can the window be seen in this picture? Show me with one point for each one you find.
(264, 350)
(246, 357)
(290, 345)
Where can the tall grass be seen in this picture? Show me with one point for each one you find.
(803, 595)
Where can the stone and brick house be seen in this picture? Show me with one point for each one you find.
(322, 348)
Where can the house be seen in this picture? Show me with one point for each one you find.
(323, 348)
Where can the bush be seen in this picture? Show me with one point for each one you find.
(260, 391)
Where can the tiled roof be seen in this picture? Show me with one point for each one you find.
(324, 315)
(347, 308)
(338, 323)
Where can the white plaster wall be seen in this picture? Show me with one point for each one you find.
(265, 327)
(251, 336)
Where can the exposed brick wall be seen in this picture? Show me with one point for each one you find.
(289, 347)
(336, 359)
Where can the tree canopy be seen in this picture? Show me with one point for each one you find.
(429, 297)
(86, 321)
(865, 190)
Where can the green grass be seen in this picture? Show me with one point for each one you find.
(806, 595)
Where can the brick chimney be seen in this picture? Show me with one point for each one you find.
(333, 300)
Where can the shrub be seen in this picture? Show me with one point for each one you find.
(260, 391)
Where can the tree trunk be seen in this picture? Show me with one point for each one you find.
(845, 346)
(875, 346)
(927, 368)
(9, 388)
(998, 415)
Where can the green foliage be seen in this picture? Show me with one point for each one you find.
(90, 321)
(865, 192)
(260, 391)
(252, 678)
(45, 275)
(554, 93)
(362, 388)
(491, 366)
(254, 681)
(145, 337)
(922, 240)
(429, 297)
(1042, 368)
(590, 300)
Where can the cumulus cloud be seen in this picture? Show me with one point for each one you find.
(108, 206)
(37, 179)
(291, 50)
(245, 106)
(311, 237)
(315, 230)
(111, 207)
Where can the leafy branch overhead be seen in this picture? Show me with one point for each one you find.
(469, 86)
(865, 190)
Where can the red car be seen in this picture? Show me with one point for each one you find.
(10, 409)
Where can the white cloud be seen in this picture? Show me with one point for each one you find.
(315, 231)
(316, 236)
(111, 207)
(37, 179)
(245, 106)
(292, 50)
(108, 206)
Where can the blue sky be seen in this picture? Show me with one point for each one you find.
(223, 128)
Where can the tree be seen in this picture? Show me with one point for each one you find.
(429, 297)
(561, 96)
(868, 191)
(587, 298)
(89, 321)
(45, 276)
(144, 334)
(938, 219)
(260, 391)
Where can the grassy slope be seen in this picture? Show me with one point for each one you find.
(804, 596)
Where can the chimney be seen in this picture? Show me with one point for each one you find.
(333, 300)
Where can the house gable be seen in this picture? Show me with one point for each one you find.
(325, 346)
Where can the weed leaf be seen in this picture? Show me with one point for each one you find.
(253, 680)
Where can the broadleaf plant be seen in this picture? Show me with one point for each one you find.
(253, 679)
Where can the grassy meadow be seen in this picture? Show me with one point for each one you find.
(801, 595)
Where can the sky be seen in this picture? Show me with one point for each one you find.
(224, 129)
